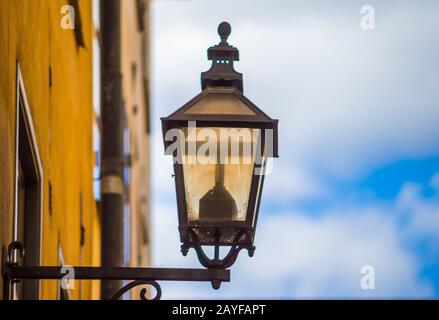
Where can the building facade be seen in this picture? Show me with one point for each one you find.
(135, 30)
(50, 137)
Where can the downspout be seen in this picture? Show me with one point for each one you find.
(112, 144)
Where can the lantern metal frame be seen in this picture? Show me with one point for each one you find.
(13, 272)
(221, 78)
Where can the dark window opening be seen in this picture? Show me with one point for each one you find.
(79, 36)
(141, 7)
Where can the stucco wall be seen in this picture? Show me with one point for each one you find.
(62, 114)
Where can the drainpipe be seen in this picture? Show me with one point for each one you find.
(112, 144)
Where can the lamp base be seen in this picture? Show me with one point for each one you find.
(218, 205)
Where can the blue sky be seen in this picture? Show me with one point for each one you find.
(357, 181)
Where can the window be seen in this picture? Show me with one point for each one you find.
(141, 7)
(79, 36)
(28, 191)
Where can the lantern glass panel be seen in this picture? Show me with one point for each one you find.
(218, 168)
(222, 101)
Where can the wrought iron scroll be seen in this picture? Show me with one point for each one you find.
(13, 271)
(216, 262)
(143, 291)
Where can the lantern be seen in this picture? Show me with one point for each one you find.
(222, 144)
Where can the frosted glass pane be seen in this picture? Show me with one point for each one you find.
(219, 190)
(220, 103)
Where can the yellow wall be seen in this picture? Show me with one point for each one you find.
(30, 32)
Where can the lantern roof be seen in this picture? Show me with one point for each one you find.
(221, 107)
(220, 104)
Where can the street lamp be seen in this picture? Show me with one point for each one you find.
(221, 145)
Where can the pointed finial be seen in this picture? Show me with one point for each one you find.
(224, 31)
(222, 55)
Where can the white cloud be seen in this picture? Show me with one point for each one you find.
(299, 257)
(322, 257)
(292, 182)
(419, 214)
(162, 169)
(347, 100)
(434, 181)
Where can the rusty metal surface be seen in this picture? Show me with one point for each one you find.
(120, 273)
(13, 272)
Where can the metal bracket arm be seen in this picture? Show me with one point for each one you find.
(12, 273)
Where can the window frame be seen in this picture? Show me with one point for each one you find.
(34, 250)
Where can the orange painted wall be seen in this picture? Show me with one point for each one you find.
(62, 114)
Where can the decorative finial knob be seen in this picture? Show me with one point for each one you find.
(224, 31)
